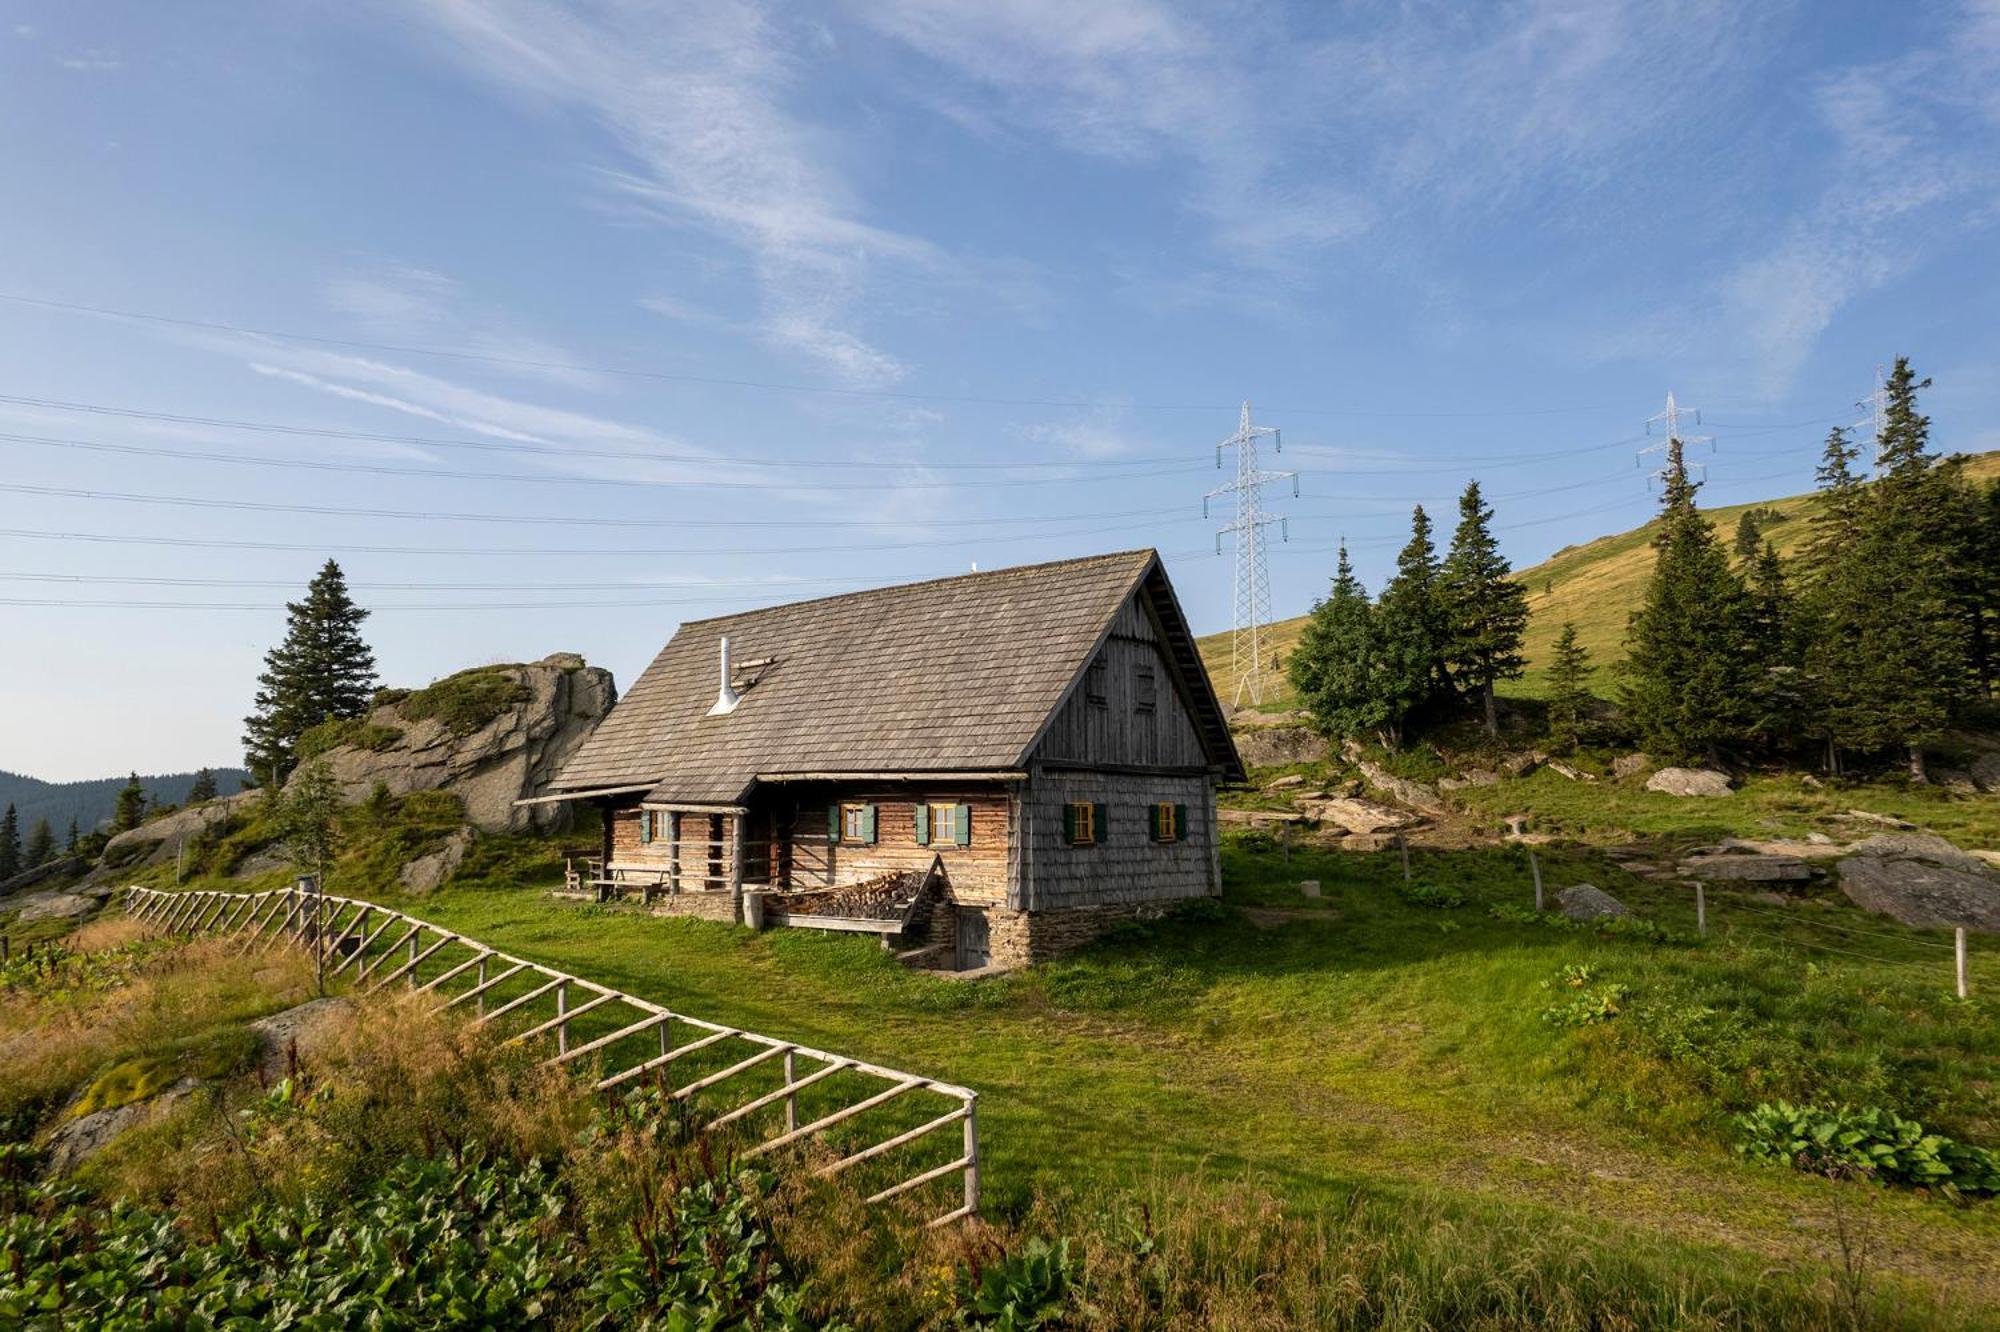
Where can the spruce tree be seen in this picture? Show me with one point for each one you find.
(1569, 694)
(1690, 685)
(1832, 607)
(130, 811)
(1410, 625)
(1748, 537)
(1333, 668)
(75, 836)
(322, 671)
(1909, 658)
(203, 787)
(1485, 612)
(1776, 647)
(10, 844)
(41, 845)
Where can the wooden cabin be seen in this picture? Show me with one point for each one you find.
(994, 767)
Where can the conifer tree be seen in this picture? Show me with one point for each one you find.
(323, 670)
(1748, 537)
(1410, 633)
(1569, 694)
(1909, 658)
(1832, 607)
(10, 844)
(41, 845)
(1775, 647)
(1690, 682)
(75, 836)
(1333, 668)
(130, 811)
(1485, 612)
(203, 787)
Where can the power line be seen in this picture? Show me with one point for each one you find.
(1844, 929)
(551, 478)
(596, 585)
(779, 386)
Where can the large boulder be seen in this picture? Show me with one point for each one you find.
(1412, 793)
(75, 1141)
(1922, 881)
(1985, 771)
(1738, 867)
(1689, 782)
(1586, 901)
(1630, 765)
(493, 736)
(1356, 815)
(57, 906)
(1274, 746)
(298, 1033)
(427, 873)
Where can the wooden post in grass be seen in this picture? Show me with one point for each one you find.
(562, 1007)
(1535, 868)
(481, 1001)
(791, 1099)
(1403, 845)
(1700, 909)
(1958, 947)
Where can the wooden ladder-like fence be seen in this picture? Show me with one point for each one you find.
(819, 1096)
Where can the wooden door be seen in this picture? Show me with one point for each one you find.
(975, 947)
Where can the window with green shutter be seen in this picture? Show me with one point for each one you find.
(856, 824)
(1083, 823)
(645, 826)
(962, 828)
(832, 825)
(923, 821)
(1166, 822)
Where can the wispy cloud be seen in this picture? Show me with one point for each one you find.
(90, 62)
(695, 96)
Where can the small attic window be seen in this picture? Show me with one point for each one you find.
(1145, 688)
(1093, 682)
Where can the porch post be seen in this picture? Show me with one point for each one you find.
(673, 851)
(736, 864)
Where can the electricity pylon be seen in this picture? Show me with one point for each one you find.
(1876, 404)
(1253, 573)
(1670, 418)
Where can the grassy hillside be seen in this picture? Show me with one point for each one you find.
(1596, 584)
(1399, 1071)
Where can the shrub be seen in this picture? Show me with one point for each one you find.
(1587, 1003)
(1429, 895)
(1021, 1291)
(1866, 1140)
(353, 732)
(467, 701)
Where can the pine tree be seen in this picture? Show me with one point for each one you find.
(1690, 685)
(75, 836)
(1748, 537)
(1569, 695)
(10, 844)
(131, 808)
(1485, 611)
(1410, 627)
(322, 671)
(1832, 609)
(203, 787)
(41, 845)
(1909, 659)
(1333, 668)
(1775, 647)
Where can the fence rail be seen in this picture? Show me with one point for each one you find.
(783, 1093)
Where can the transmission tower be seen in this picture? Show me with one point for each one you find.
(1669, 417)
(1253, 574)
(1876, 404)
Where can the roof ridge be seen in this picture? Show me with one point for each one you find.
(1150, 552)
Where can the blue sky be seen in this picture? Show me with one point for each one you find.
(762, 294)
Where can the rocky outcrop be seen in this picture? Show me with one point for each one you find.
(57, 905)
(1985, 771)
(1414, 794)
(62, 867)
(1356, 815)
(427, 873)
(492, 736)
(1273, 746)
(77, 1140)
(1586, 901)
(1739, 867)
(157, 841)
(1922, 881)
(297, 1034)
(1630, 765)
(1704, 782)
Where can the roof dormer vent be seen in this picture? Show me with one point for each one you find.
(726, 698)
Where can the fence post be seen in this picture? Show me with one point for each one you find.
(1700, 909)
(1535, 867)
(791, 1098)
(972, 1155)
(1958, 942)
(562, 1007)
(1403, 845)
(412, 973)
(481, 1001)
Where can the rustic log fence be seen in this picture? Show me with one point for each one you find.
(779, 1092)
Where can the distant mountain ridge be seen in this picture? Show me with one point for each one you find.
(92, 801)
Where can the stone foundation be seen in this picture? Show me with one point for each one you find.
(1022, 938)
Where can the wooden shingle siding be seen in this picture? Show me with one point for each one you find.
(1118, 730)
(1126, 865)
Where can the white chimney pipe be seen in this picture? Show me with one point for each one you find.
(726, 698)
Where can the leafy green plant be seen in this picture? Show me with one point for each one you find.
(1588, 1003)
(1867, 1140)
(1429, 895)
(1027, 1289)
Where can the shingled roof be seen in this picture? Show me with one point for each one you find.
(952, 675)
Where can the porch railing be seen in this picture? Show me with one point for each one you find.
(874, 1118)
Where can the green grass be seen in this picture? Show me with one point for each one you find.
(1368, 1045)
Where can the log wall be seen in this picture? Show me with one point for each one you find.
(975, 873)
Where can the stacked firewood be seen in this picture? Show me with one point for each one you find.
(885, 897)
